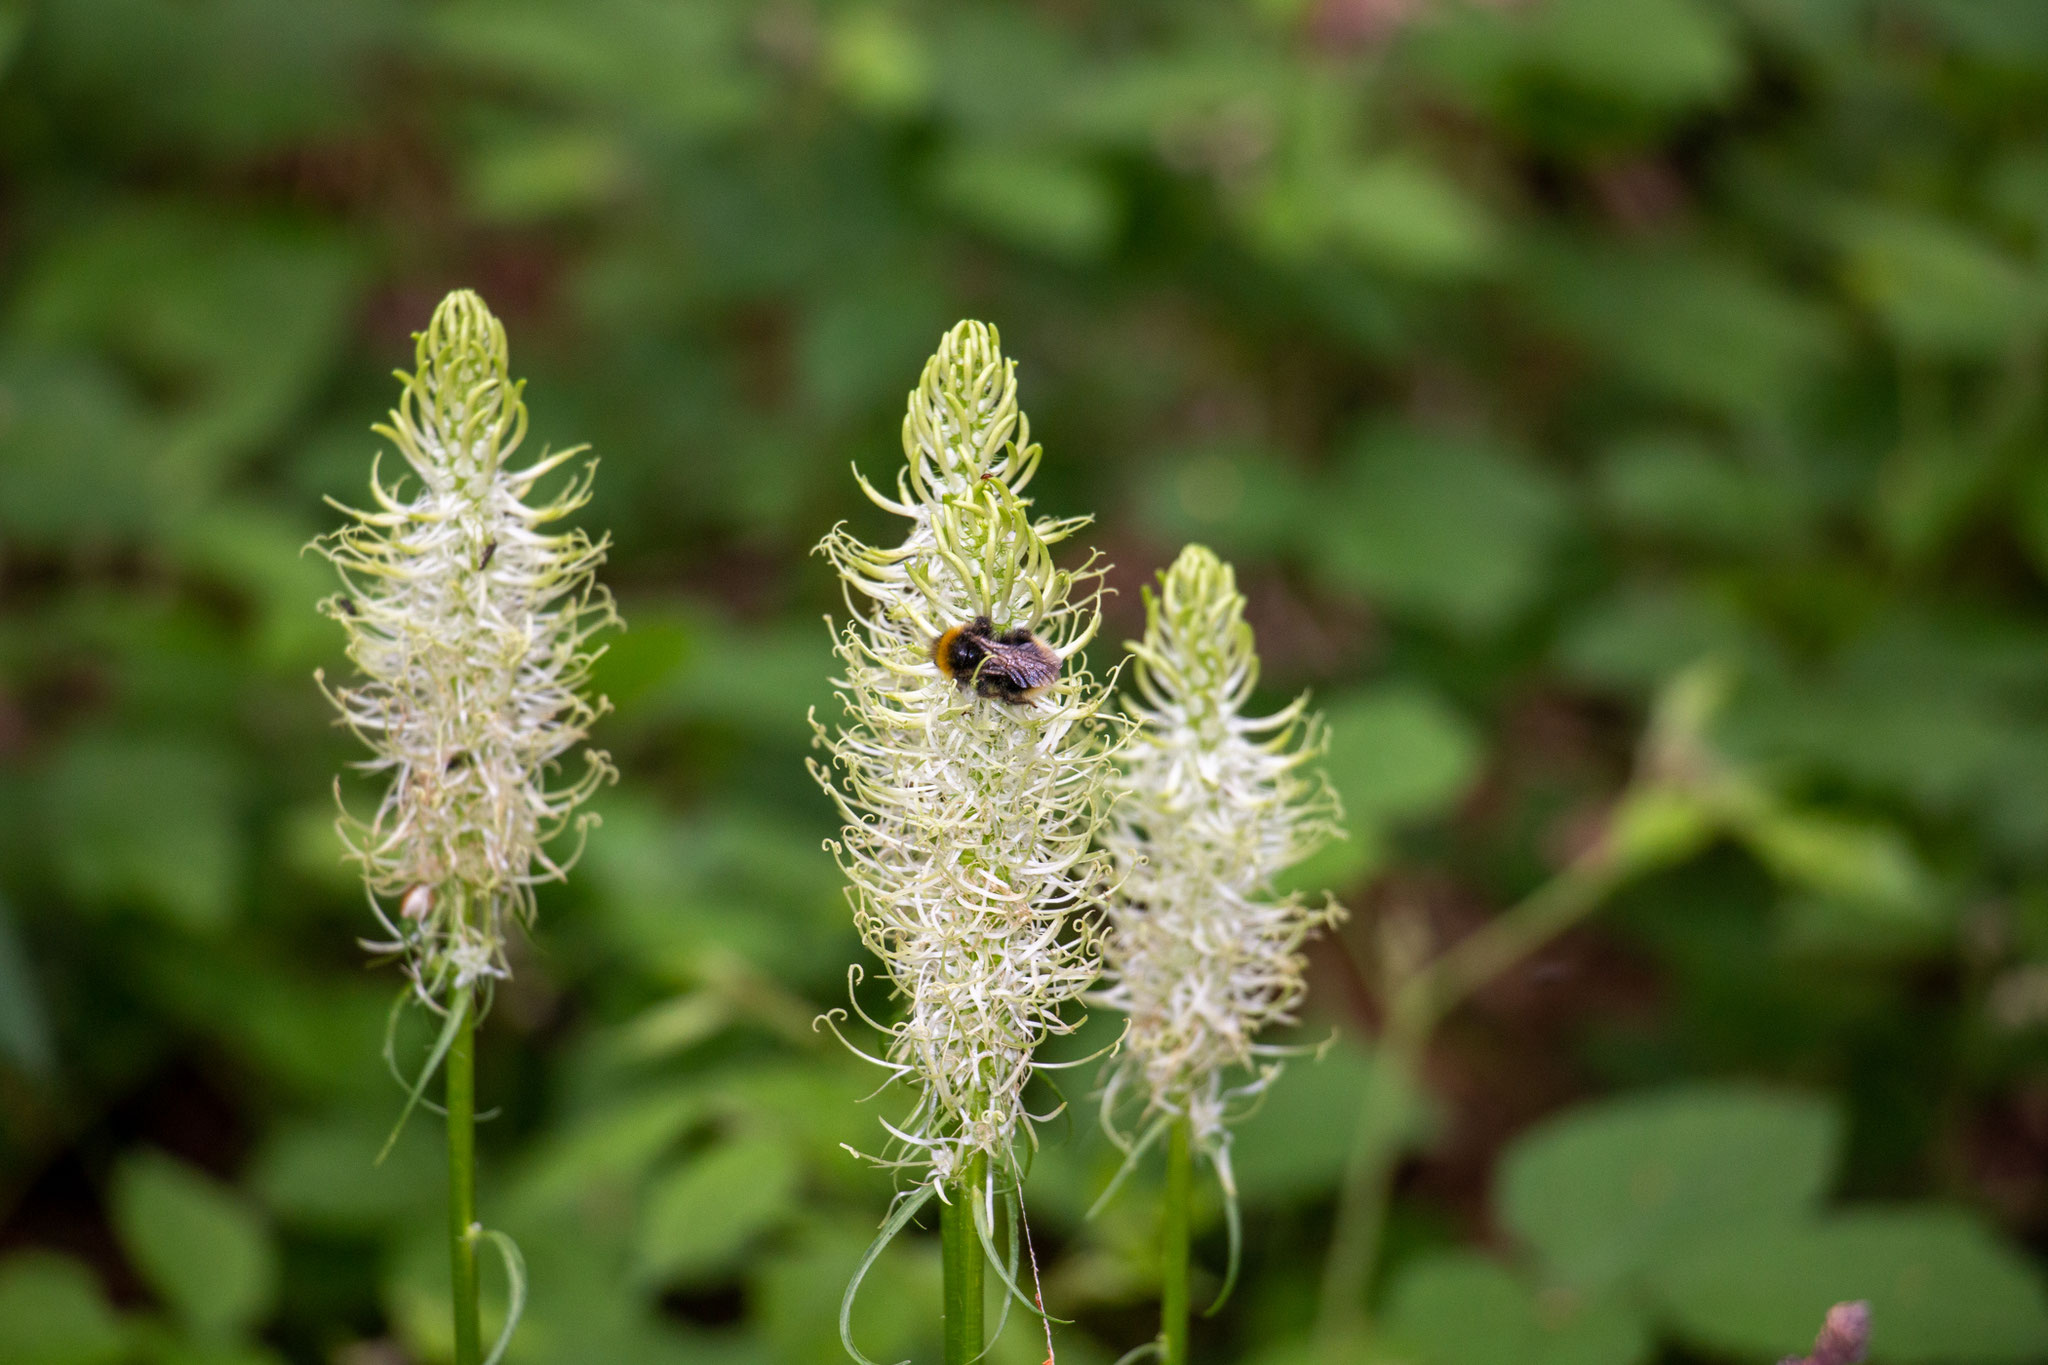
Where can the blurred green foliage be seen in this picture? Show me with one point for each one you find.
(1520, 352)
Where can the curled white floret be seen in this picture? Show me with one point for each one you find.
(1214, 805)
(971, 823)
(469, 612)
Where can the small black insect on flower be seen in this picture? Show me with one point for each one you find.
(1011, 666)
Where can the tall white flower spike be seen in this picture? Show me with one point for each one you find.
(972, 815)
(971, 822)
(469, 615)
(1214, 805)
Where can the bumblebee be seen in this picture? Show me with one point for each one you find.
(1012, 666)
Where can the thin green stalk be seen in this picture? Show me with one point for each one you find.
(1420, 1004)
(1376, 1147)
(1173, 1255)
(961, 1249)
(462, 1224)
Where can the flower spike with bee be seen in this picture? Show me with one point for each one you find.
(971, 766)
(469, 613)
(1215, 804)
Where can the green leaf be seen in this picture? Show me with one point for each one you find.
(1461, 1308)
(1861, 864)
(13, 23)
(535, 173)
(1706, 329)
(1936, 287)
(1941, 1288)
(1611, 1189)
(53, 1313)
(673, 68)
(1676, 485)
(1405, 214)
(148, 821)
(702, 1214)
(78, 453)
(1035, 198)
(1398, 753)
(1655, 52)
(1294, 1145)
(24, 1024)
(199, 1244)
(880, 60)
(231, 322)
(325, 1175)
(1648, 631)
(1454, 529)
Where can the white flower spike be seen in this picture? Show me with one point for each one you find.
(972, 810)
(469, 615)
(1214, 805)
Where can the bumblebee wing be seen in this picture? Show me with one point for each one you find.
(1028, 665)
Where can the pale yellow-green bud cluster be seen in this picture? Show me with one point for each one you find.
(469, 612)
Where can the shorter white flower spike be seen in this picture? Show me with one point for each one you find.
(1214, 805)
(469, 615)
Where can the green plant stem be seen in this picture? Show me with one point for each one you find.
(1376, 1145)
(1419, 1005)
(961, 1249)
(1173, 1251)
(460, 1078)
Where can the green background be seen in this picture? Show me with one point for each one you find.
(1520, 354)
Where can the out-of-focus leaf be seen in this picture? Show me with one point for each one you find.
(13, 23)
(150, 822)
(882, 63)
(53, 1313)
(1242, 499)
(78, 455)
(1452, 529)
(1606, 1191)
(1037, 198)
(1941, 1288)
(1863, 865)
(674, 889)
(537, 173)
(2000, 31)
(1936, 288)
(1649, 631)
(228, 321)
(1660, 52)
(675, 68)
(1703, 329)
(231, 78)
(799, 1288)
(1460, 1308)
(1928, 488)
(24, 1024)
(702, 1214)
(199, 1244)
(604, 1156)
(1915, 706)
(263, 557)
(872, 329)
(1406, 215)
(325, 1174)
(1398, 753)
(1294, 1145)
(1677, 486)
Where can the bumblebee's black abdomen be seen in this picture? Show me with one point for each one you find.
(1012, 667)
